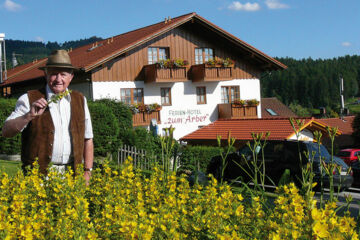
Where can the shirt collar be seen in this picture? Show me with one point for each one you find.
(50, 93)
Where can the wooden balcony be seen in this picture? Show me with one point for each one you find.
(232, 111)
(204, 73)
(144, 118)
(156, 74)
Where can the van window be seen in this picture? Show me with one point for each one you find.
(313, 148)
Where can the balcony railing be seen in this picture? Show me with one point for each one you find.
(156, 74)
(232, 111)
(144, 118)
(203, 72)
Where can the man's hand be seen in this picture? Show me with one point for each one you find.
(37, 108)
(14, 126)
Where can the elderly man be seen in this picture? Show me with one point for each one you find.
(57, 131)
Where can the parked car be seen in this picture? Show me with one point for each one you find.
(356, 173)
(349, 155)
(279, 156)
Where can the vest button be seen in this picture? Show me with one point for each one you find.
(50, 144)
(49, 157)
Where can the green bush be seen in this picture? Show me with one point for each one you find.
(123, 116)
(141, 138)
(121, 112)
(8, 145)
(190, 155)
(105, 128)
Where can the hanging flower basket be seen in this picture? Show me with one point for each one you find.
(154, 107)
(170, 63)
(218, 62)
(239, 103)
(141, 107)
(245, 103)
(252, 102)
(227, 62)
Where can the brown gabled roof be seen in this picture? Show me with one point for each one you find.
(25, 72)
(344, 124)
(278, 107)
(241, 129)
(92, 55)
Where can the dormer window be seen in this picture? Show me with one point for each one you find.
(156, 54)
(203, 55)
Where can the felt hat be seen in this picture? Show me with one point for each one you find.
(59, 59)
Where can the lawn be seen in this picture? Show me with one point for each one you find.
(355, 108)
(10, 167)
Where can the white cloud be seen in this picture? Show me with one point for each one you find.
(12, 6)
(346, 44)
(39, 39)
(275, 4)
(237, 6)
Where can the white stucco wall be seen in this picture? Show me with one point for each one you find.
(305, 135)
(184, 114)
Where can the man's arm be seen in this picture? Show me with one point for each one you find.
(14, 126)
(88, 157)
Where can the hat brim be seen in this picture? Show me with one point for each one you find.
(59, 66)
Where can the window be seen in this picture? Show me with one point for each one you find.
(203, 55)
(271, 112)
(132, 95)
(230, 93)
(165, 96)
(155, 54)
(201, 95)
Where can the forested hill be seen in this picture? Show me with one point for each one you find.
(313, 83)
(29, 50)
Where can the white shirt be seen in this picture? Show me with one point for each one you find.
(61, 115)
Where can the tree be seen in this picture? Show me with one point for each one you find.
(356, 128)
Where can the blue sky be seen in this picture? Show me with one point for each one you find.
(280, 28)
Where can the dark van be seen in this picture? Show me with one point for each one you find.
(279, 156)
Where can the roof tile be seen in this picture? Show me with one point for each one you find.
(344, 124)
(279, 128)
(273, 103)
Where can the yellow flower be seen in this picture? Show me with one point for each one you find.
(239, 210)
(316, 214)
(295, 234)
(321, 230)
(196, 228)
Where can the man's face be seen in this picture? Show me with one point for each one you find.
(58, 79)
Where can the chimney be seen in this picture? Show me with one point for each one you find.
(14, 61)
(3, 73)
(322, 111)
